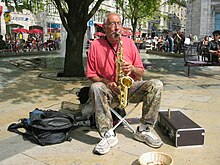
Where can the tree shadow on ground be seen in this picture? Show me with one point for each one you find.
(8, 73)
(176, 67)
(173, 74)
(27, 87)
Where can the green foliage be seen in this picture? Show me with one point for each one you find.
(33, 5)
(179, 2)
(139, 10)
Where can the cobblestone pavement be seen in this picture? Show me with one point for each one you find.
(22, 90)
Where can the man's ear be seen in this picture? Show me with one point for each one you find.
(104, 28)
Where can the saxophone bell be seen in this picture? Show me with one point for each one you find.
(127, 81)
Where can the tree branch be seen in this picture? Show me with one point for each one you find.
(94, 9)
(63, 15)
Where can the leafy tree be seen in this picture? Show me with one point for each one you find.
(179, 2)
(74, 15)
(33, 5)
(136, 10)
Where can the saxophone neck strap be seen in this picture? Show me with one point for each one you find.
(114, 50)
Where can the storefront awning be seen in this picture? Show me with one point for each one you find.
(98, 24)
(99, 34)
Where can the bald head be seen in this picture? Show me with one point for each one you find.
(112, 26)
(109, 16)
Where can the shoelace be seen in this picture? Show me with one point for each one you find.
(146, 130)
(149, 133)
(103, 141)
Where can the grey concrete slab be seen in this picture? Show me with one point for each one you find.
(13, 146)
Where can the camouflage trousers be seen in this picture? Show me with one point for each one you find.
(101, 99)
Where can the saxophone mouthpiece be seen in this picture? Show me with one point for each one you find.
(117, 34)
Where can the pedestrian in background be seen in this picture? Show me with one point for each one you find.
(203, 48)
(2, 43)
(170, 42)
(214, 47)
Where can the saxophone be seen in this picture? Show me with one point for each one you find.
(124, 81)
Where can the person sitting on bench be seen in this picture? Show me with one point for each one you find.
(214, 47)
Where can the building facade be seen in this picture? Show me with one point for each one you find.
(13, 20)
(171, 18)
(48, 21)
(203, 17)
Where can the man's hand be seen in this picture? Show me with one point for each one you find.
(113, 87)
(127, 68)
(218, 53)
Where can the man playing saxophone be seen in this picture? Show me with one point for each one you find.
(102, 71)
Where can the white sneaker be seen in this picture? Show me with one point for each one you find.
(105, 144)
(148, 137)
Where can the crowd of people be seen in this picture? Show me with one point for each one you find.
(32, 43)
(169, 42)
(174, 42)
(209, 47)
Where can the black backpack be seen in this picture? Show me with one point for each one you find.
(83, 95)
(45, 127)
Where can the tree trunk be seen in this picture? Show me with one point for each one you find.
(134, 26)
(73, 66)
(75, 22)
